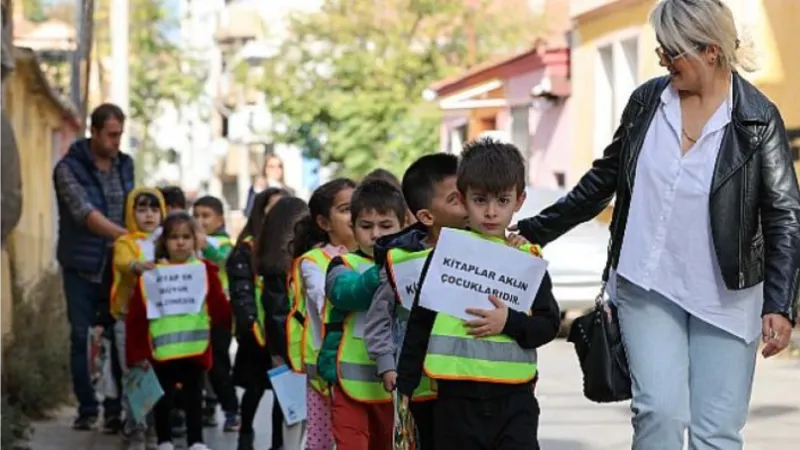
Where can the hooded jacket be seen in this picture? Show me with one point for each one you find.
(127, 251)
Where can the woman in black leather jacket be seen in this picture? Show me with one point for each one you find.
(704, 256)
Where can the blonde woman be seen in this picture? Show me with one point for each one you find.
(705, 252)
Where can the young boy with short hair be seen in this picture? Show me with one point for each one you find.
(209, 213)
(429, 188)
(483, 407)
(361, 414)
(175, 198)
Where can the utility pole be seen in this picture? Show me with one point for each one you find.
(120, 87)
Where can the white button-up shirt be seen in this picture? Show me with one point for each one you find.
(668, 246)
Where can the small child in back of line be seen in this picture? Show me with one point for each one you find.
(152, 341)
(429, 188)
(215, 246)
(362, 412)
(174, 198)
(322, 235)
(485, 404)
(134, 253)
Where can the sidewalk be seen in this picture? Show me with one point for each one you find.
(568, 421)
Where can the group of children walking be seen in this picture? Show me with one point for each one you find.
(315, 286)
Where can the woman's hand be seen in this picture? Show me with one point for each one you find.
(776, 331)
(516, 240)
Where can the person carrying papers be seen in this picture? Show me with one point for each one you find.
(484, 367)
(362, 413)
(429, 188)
(134, 253)
(168, 325)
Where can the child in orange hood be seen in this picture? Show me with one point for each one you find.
(134, 253)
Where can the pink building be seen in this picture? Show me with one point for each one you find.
(523, 98)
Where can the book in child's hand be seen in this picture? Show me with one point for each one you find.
(405, 431)
(142, 391)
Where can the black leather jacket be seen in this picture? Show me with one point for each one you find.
(754, 200)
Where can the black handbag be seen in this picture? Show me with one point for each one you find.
(598, 344)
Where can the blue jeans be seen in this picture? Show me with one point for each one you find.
(686, 374)
(83, 300)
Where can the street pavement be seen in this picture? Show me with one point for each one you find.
(568, 421)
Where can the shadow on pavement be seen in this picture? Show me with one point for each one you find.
(771, 411)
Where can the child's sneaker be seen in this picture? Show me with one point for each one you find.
(165, 446)
(231, 423)
(198, 446)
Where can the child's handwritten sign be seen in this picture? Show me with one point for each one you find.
(405, 276)
(174, 289)
(466, 269)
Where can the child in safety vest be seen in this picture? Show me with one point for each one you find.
(429, 188)
(172, 334)
(258, 270)
(362, 412)
(134, 253)
(215, 246)
(485, 403)
(325, 233)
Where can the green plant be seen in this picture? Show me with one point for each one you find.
(15, 426)
(35, 375)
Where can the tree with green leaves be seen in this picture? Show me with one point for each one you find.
(348, 81)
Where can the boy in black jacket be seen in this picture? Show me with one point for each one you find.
(473, 412)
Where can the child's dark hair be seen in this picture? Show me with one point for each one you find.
(173, 196)
(307, 232)
(147, 200)
(256, 218)
(170, 223)
(491, 166)
(272, 253)
(212, 203)
(379, 196)
(422, 176)
(382, 174)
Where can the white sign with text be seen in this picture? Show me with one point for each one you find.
(174, 289)
(466, 269)
(406, 279)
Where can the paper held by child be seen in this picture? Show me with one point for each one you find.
(290, 389)
(466, 269)
(405, 431)
(142, 391)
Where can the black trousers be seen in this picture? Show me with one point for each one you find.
(191, 375)
(219, 376)
(250, 401)
(422, 412)
(509, 422)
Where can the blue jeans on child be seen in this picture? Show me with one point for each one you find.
(83, 300)
(687, 374)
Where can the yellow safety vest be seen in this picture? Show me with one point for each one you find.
(455, 355)
(404, 269)
(300, 346)
(179, 336)
(357, 374)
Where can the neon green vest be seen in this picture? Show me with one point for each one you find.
(302, 352)
(356, 372)
(223, 274)
(259, 332)
(455, 355)
(180, 336)
(405, 268)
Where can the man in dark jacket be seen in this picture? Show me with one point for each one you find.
(91, 181)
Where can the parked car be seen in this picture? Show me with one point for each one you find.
(576, 259)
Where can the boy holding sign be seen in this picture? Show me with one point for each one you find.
(484, 367)
(429, 188)
(361, 413)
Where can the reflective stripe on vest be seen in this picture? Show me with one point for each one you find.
(302, 352)
(404, 269)
(180, 336)
(357, 373)
(455, 355)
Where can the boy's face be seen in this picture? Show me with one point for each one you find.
(147, 217)
(490, 214)
(446, 208)
(371, 225)
(208, 219)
